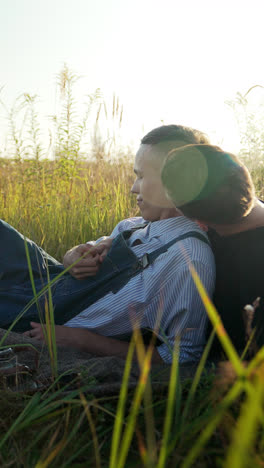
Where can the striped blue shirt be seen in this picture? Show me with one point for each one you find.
(164, 292)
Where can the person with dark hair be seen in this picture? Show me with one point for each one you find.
(210, 185)
(138, 277)
(176, 134)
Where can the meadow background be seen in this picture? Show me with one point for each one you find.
(61, 196)
(77, 187)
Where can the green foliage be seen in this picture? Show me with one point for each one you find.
(69, 128)
(90, 131)
(250, 121)
(58, 209)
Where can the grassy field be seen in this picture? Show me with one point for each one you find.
(201, 423)
(60, 204)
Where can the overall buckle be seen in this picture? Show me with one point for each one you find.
(144, 261)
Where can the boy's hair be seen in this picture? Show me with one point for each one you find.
(172, 133)
(208, 184)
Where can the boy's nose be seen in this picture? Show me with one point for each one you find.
(134, 188)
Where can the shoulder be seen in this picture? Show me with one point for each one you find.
(128, 223)
(190, 240)
(185, 248)
(243, 242)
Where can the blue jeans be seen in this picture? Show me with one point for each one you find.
(69, 295)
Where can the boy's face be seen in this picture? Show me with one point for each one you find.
(151, 197)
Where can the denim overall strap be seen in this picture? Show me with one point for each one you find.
(149, 258)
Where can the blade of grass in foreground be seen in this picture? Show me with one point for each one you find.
(119, 419)
(55, 451)
(235, 391)
(50, 340)
(170, 404)
(248, 345)
(182, 421)
(246, 428)
(197, 376)
(148, 453)
(256, 361)
(92, 428)
(218, 325)
(50, 331)
(135, 405)
(31, 275)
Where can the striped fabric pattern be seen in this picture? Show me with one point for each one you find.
(163, 293)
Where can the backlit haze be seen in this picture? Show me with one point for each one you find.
(168, 62)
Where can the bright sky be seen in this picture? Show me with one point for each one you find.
(173, 61)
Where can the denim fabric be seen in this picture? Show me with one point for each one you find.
(69, 296)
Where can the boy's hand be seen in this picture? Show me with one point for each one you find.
(90, 264)
(62, 333)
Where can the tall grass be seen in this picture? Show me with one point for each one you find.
(59, 211)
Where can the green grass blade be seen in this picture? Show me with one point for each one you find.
(251, 338)
(31, 276)
(50, 331)
(195, 450)
(170, 404)
(197, 376)
(126, 441)
(218, 325)
(255, 362)
(92, 429)
(245, 432)
(119, 419)
(151, 443)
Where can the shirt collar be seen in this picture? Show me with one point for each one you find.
(163, 226)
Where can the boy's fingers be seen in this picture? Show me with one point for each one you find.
(83, 276)
(87, 248)
(85, 273)
(102, 249)
(84, 269)
(34, 324)
(87, 262)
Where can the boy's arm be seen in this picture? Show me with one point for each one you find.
(85, 340)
